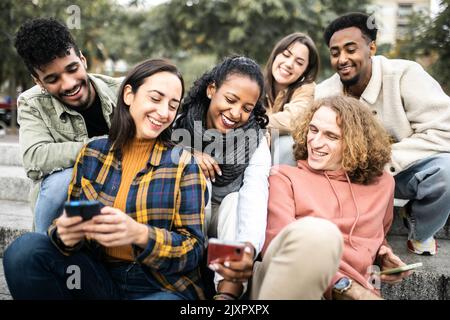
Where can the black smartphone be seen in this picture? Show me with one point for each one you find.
(85, 208)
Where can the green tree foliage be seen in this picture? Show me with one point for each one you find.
(97, 19)
(428, 40)
(237, 26)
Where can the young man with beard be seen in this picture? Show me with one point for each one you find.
(65, 109)
(412, 107)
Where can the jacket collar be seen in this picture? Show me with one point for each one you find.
(373, 88)
(157, 154)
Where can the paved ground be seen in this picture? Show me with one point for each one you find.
(4, 292)
(10, 138)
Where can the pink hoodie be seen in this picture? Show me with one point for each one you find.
(363, 213)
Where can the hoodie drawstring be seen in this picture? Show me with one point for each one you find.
(340, 206)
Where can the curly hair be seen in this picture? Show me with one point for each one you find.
(218, 75)
(366, 146)
(308, 76)
(352, 19)
(41, 40)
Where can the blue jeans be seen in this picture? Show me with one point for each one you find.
(427, 185)
(36, 270)
(51, 198)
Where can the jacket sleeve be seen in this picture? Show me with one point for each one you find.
(253, 197)
(74, 194)
(427, 108)
(281, 208)
(300, 100)
(41, 154)
(181, 248)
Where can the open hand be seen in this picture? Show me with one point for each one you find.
(208, 165)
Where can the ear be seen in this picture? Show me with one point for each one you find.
(37, 81)
(372, 48)
(128, 95)
(211, 90)
(83, 60)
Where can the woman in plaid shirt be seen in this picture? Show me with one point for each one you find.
(147, 243)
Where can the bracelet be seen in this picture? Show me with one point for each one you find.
(226, 296)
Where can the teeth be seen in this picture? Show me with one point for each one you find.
(320, 154)
(74, 92)
(285, 72)
(227, 121)
(156, 123)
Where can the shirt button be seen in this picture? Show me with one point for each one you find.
(392, 169)
(374, 112)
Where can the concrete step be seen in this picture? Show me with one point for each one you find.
(4, 292)
(398, 228)
(10, 154)
(14, 184)
(430, 282)
(16, 218)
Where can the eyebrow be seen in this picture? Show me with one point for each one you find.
(70, 65)
(347, 44)
(236, 97)
(287, 49)
(162, 94)
(326, 131)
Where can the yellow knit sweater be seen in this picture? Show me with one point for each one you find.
(134, 159)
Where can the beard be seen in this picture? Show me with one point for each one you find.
(350, 82)
(81, 104)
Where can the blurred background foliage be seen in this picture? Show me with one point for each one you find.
(195, 34)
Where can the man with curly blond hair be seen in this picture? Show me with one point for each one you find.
(413, 108)
(328, 217)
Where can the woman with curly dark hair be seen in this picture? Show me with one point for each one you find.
(224, 116)
(338, 190)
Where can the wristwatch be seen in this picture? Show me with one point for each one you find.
(342, 285)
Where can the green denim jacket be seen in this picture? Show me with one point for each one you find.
(51, 134)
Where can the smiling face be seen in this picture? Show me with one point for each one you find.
(290, 65)
(66, 79)
(232, 103)
(154, 105)
(324, 141)
(350, 55)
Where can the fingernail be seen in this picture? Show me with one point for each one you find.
(212, 267)
(220, 173)
(248, 250)
(226, 264)
(213, 180)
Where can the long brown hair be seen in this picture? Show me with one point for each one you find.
(366, 146)
(308, 76)
(123, 128)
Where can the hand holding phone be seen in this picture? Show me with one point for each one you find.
(402, 268)
(222, 250)
(87, 209)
